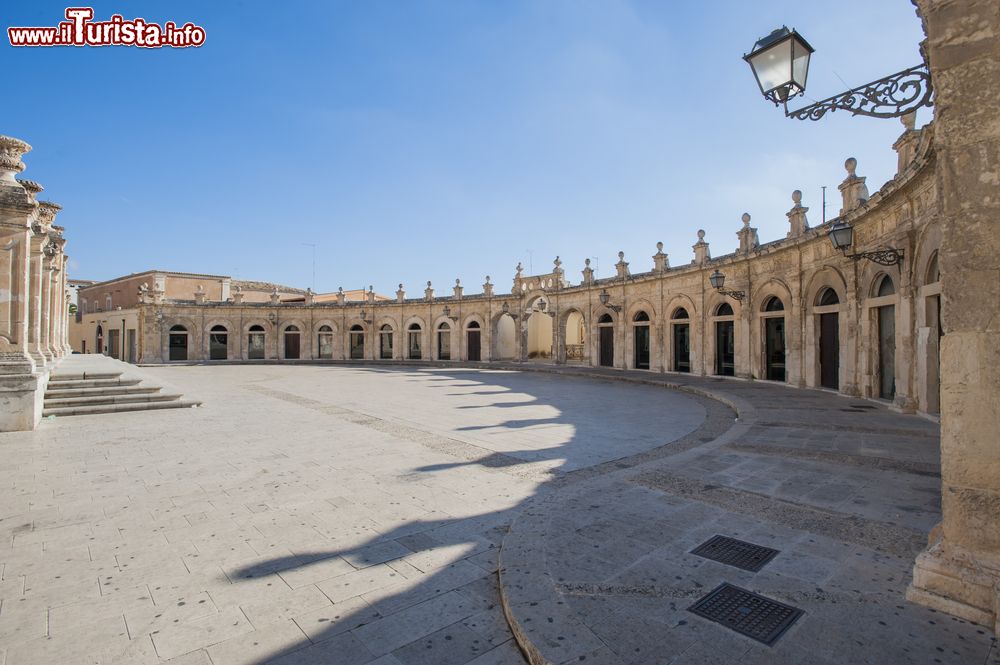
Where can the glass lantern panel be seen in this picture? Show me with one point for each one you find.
(773, 65)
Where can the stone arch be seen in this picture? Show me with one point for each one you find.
(824, 278)
(827, 346)
(772, 287)
(504, 336)
(325, 341)
(232, 337)
(442, 347)
(415, 346)
(194, 333)
(304, 338)
(682, 345)
(929, 329)
(572, 334)
(538, 329)
(774, 344)
(928, 244)
(472, 322)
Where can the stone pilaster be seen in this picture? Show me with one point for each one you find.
(960, 571)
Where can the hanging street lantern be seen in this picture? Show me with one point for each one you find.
(780, 63)
(841, 237)
(718, 280)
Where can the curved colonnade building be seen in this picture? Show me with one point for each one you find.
(795, 310)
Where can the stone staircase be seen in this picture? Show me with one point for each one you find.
(104, 385)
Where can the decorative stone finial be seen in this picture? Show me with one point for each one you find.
(400, 286)
(621, 256)
(488, 287)
(660, 259)
(458, 282)
(519, 268)
(586, 262)
(797, 197)
(851, 165)
(11, 150)
(909, 120)
(400, 293)
(428, 283)
(659, 246)
(487, 279)
(622, 266)
(797, 216)
(701, 235)
(853, 190)
(557, 263)
(747, 235)
(701, 254)
(746, 219)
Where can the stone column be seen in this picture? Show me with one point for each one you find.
(960, 571)
(21, 387)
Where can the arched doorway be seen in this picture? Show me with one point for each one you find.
(640, 334)
(473, 341)
(443, 341)
(99, 342)
(177, 342)
(413, 341)
(505, 338)
(774, 339)
(218, 343)
(324, 339)
(385, 342)
(886, 324)
(680, 324)
(606, 333)
(829, 338)
(255, 343)
(539, 331)
(292, 340)
(725, 340)
(357, 342)
(576, 337)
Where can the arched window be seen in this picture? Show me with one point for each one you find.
(292, 329)
(255, 343)
(444, 341)
(774, 304)
(413, 342)
(385, 342)
(218, 343)
(325, 342)
(640, 317)
(886, 287)
(725, 309)
(178, 328)
(605, 318)
(357, 342)
(828, 297)
(933, 274)
(680, 313)
(473, 324)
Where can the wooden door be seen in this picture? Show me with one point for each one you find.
(887, 351)
(472, 344)
(642, 347)
(774, 335)
(291, 346)
(725, 351)
(607, 346)
(682, 347)
(829, 350)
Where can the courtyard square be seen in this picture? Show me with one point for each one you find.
(356, 514)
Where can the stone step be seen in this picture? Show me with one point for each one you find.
(101, 391)
(81, 376)
(118, 408)
(94, 383)
(133, 398)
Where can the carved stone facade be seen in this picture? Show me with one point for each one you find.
(34, 307)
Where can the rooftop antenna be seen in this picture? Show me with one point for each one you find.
(824, 204)
(597, 266)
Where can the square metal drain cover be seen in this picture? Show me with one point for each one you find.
(747, 613)
(733, 552)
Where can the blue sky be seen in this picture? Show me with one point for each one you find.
(433, 140)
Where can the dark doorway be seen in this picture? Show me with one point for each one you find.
(682, 347)
(100, 339)
(725, 352)
(291, 343)
(887, 351)
(178, 343)
(607, 341)
(357, 342)
(829, 350)
(255, 343)
(385, 342)
(218, 343)
(641, 335)
(774, 333)
(473, 343)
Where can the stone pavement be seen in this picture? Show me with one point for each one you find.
(304, 514)
(349, 514)
(601, 570)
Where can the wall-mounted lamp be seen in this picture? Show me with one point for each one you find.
(272, 317)
(605, 299)
(842, 237)
(447, 313)
(718, 280)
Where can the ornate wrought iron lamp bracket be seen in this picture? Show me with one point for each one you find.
(889, 97)
(735, 295)
(883, 257)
